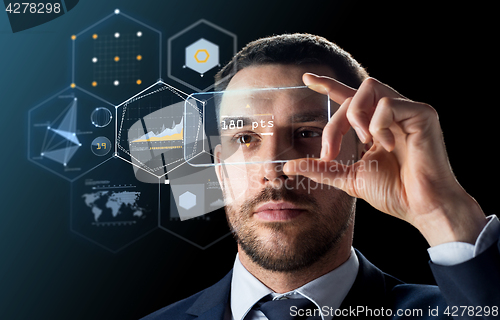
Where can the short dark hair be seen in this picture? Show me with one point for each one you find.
(294, 49)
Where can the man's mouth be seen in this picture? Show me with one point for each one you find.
(278, 211)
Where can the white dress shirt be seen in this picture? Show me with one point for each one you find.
(330, 289)
(246, 290)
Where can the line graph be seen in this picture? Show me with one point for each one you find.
(166, 134)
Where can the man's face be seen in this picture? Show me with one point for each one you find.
(282, 223)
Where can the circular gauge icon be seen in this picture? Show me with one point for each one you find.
(101, 117)
(101, 146)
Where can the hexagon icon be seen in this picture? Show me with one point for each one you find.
(115, 56)
(189, 210)
(150, 128)
(111, 208)
(195, 54)
(202, 56)
(187, 200)
(61, 132)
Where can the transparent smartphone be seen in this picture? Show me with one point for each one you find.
(249, 126)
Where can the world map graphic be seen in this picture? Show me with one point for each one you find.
(122, 204)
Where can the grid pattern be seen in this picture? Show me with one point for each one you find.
(117, 59)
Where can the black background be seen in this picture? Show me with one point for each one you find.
(443, 55)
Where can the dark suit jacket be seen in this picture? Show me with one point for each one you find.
(473, 283)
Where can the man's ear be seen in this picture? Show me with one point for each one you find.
(218, 166)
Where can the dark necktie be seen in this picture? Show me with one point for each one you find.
(289, 309)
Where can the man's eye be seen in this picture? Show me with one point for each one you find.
(309, 134)
(246, 138)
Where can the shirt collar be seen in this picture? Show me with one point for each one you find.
(246, 290)
(328, 290)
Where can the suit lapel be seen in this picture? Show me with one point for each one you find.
(370, 288)
(212, 303)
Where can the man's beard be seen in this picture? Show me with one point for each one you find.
(292, 245)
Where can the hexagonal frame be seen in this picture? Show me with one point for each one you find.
(169, 50)
(29, 155)
(193, 243)
(79, 233)
(118, 127)
(116, 12)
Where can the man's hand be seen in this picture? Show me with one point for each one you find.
(412, 179)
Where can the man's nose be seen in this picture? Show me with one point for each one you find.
(273, 174)
(276, 147)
